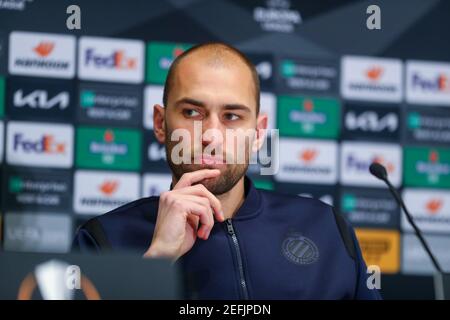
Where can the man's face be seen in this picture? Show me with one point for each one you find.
(219, 98)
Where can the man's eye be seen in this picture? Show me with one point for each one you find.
(191, 113)
(232, 116)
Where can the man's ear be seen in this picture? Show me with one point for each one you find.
(261, 127)
(158, 123)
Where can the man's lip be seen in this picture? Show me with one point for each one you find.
(210, 160)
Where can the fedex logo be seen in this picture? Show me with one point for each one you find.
(428, 83)
(356, 158)
(117, 59)
(112, 60)
(362, 165)
(39, 145)
(45, 144)
(439, 83)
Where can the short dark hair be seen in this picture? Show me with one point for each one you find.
(218, 46)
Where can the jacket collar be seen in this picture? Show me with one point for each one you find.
(252, 205)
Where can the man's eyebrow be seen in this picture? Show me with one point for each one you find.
(190, 101)
(198, 103)
(237, 106)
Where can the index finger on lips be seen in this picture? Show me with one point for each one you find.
(188, 179)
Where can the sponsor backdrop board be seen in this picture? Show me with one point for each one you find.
(76, 113)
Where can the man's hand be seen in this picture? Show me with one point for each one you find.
(179, 213)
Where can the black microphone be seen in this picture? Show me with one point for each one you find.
(380, 172)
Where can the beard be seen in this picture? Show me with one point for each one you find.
(230, 174)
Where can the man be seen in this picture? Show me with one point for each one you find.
(232, 240)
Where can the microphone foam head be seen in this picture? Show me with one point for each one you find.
(378, 170)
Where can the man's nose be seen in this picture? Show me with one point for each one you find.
(212, 131)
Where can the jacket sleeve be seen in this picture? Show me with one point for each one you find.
(91, 238)
(84, 242)
(362, 292)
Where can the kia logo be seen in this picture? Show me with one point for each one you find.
(39, 99)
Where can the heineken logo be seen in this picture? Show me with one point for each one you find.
(311, 117)
(166, 61)
(160, 56)
(427, 167)
(110, 148)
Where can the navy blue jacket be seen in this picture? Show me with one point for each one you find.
(275, 247)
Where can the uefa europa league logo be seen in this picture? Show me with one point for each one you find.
(56, 280)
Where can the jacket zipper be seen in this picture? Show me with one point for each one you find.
(242, 282)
